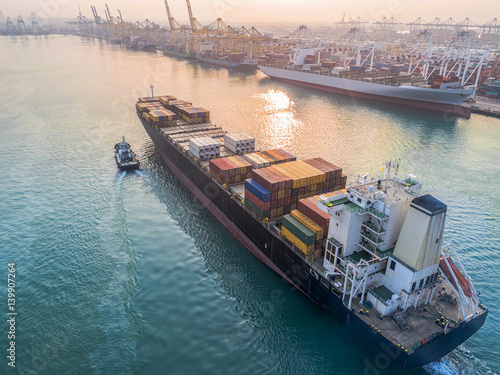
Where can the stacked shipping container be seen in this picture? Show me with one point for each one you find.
(239, 143)
(287, 183)
(315, 220)
(266, 158)
(204, 148)
(230, 170)
(257, 198)
(334, 180)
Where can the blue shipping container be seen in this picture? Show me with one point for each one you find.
(256, 189)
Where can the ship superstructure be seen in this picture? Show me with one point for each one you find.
(386, 260)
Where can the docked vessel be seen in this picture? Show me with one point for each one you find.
(372, 254)
(139, 44)
(125, 157)
(246, 65)
(177, 51)
(239, 61)
(385, 89)
(434, 79)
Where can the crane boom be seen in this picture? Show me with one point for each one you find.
(195, 25)
(191, 19)
(171, 20)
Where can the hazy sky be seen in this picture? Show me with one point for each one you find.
(247, 11)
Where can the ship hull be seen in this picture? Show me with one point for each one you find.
(182, 55)
(226, 64)
(441, 100)
(271, 250)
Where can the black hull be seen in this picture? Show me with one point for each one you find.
(289, 263)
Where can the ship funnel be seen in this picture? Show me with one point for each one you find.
(421, 238)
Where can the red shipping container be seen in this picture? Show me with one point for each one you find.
(252, 198)
(308, 208)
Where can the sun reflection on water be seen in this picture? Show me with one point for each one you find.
(280, 125)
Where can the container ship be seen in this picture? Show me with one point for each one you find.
(239, 61)
(177, 51)
(354, 81)
(372, 254)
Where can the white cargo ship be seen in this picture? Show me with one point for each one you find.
(412, 87)
(446, 99)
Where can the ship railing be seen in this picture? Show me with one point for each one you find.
(373, 239)
(374, 229)
(370, 210)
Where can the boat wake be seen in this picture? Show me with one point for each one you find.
(119, 324)
(140, 173)
(459, 362)
(120, 177)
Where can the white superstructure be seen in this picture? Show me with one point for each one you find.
(385, 247)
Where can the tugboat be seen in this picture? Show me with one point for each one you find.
(125, 157)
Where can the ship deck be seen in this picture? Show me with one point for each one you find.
(372, 77)
(424, 323)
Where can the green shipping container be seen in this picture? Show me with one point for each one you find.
(299, 230)
(257, 210)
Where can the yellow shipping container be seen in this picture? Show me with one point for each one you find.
(281, 194)
(309, 223)
(307, 250)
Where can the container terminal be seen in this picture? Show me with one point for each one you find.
(370, 252)
(437, 65)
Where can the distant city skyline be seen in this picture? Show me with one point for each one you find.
(293, 12)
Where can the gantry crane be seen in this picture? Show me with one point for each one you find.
(84, 24)
(195, 25)
(10, 24)
(20, 22)
(174, 25)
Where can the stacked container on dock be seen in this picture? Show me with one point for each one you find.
(239, 143)
(279, 156)
(204, 148)
(230, 170)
